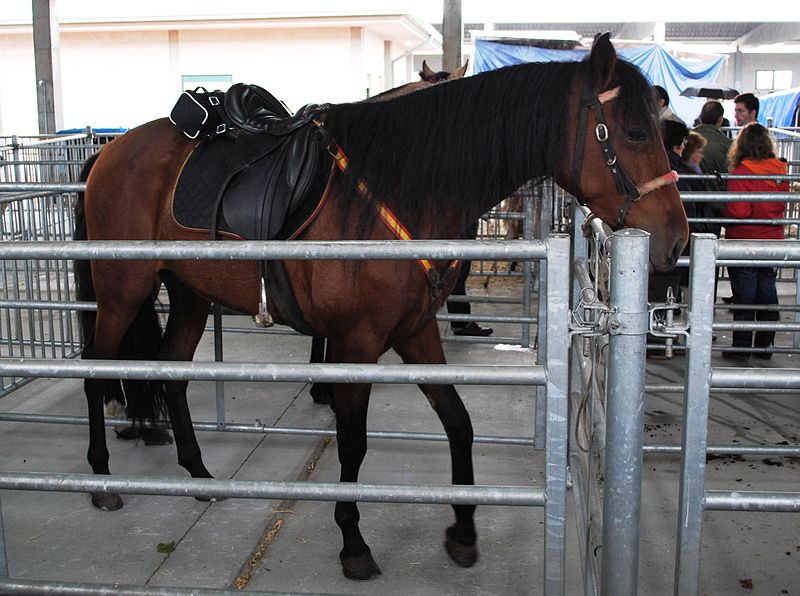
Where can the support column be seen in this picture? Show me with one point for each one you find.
(622, 495)
(46, 48)
(451, 35)
(557, 431)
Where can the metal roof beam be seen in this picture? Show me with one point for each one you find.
(635, 31)
(769, 33)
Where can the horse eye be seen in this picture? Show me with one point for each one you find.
(637, 134)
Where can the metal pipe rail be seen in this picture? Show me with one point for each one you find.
(436, 374)
(38, 587)
(250, 250)
(263, 489)
(263, 429)
(720, 500)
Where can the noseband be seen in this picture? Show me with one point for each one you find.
(624, 183)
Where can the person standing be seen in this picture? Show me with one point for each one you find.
(745, 109)
(662, 103)
(753, 153)
(463, 308)
(715, 154)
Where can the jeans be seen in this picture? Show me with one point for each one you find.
(753, 285)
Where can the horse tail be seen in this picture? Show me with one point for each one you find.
(140, 400)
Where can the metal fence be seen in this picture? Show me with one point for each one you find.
(552, 374)
(700, 378)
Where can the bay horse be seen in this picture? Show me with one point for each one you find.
(438, 159)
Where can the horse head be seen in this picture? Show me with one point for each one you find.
(427, 74)
(619, 166)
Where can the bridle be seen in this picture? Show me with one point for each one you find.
(624, 183)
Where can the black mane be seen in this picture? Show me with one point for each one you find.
(473, 140)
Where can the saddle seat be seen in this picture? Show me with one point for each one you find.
(255, 110)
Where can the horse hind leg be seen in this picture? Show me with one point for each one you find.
(112, 321)
(426, 348)
(321, 393)
(185, 327)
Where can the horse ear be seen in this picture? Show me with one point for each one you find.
(602, 62)
(426, 72)
(459, 72)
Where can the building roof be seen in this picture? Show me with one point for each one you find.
(741, 34)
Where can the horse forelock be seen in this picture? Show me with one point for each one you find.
(635, 105)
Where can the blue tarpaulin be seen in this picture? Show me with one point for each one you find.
(781, 106)
(658, 66)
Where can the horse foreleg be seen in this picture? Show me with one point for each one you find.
(351, 435)
(351, 402)
(426, 348)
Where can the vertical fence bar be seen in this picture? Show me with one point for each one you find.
(527, 268)
(545, 199)
(796, 335)
(557, 366)
(625, 411)
(695, 413)
(3, 557)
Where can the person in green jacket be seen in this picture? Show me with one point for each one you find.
(715, 156)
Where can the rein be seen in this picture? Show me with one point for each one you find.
(624, 183)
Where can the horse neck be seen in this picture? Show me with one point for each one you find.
(455, 150)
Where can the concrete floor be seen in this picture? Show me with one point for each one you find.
(60, 536)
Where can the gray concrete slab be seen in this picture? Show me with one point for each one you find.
(61, 536)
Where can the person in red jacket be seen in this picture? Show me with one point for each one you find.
(753, 153)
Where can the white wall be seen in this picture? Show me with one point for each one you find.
(17, 85)
(125, 78)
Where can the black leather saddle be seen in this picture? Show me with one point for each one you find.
(260, 180)
(258, 173)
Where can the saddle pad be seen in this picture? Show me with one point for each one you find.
(239, 180)
(200, 183)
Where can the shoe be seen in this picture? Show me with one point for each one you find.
(473, 329)
(727, 299)
(736, 357)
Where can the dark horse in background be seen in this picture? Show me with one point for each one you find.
(438, 158)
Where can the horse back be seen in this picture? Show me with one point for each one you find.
(129, 188)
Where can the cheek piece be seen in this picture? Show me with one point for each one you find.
(624, 183)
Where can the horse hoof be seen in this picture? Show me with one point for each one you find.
(360, 568)
(465, 555)
(107, 501)
(155, 436)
